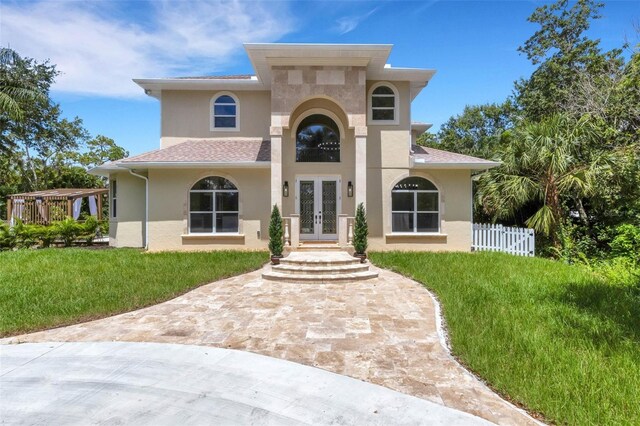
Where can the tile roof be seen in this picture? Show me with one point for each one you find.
(240, 150)
(426, 155)
(218, 77)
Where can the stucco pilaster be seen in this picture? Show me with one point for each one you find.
(276, 169)
(361, 170)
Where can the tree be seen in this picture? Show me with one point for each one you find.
(38, 148)
(15, 92)
(476, 131)
(544, 165)
(561, 51)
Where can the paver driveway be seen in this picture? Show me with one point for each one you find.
(383, 331)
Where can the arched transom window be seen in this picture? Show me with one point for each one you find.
(383, 104)
(415, 206)
(318, 140)
(213, 206)
(225, 113)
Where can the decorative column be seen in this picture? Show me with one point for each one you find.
(361, 166)
(276, 167)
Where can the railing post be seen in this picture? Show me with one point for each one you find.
(342, 230)
(287, 235)
(295, 230)
(350, 231)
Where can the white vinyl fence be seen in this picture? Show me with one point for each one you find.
(518, 241)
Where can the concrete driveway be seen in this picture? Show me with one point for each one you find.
(156, 384)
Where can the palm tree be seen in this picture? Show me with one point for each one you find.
(545, 164)
(14, 92)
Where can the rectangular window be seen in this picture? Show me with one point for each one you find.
(414, 211)
(213, 211)
(225, 122)
(114, 196)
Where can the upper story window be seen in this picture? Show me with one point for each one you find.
(383, 104)
(213, 206)
(415, 205)
(224, 112)
(318, 140)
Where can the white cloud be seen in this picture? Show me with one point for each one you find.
(347, 24)
(99, 51)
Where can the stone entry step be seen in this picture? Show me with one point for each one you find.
(319, 267)
(318, 246)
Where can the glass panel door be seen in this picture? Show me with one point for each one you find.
(307, 207)
(318, 205)
(329, 204)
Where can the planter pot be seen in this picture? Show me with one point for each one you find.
(275, 260)
(361, 256)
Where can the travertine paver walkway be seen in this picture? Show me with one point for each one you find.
(383, 331)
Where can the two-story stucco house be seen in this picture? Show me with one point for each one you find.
(317, 130)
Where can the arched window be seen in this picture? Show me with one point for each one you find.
(384, 104)
(318, 140)
(213, 206)
(225, 113)
(415, 206)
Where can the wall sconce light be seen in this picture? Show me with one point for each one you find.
(349, 189)
(285, 188)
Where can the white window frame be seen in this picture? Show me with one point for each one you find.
(415, 210)
(113, 202)
(214, 211)
(212, 115)
(396, 109)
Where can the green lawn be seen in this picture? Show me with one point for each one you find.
(51, 287)
(551, 336)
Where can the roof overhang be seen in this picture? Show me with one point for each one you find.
(264, 56)
(105, 170)
(416, 164)
(420, 128)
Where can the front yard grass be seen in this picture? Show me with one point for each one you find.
(553, 337)
(47, 288)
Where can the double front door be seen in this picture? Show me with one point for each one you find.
(318, 203)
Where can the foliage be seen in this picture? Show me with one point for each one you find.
(276, 242)
(475, 132)
(360, 230)
(8, 237)
(38, 148)
(89, 229)
(25, 236)
(41, 289)
(553, 337)
(543, 166)
(627, 243)
(68, 230)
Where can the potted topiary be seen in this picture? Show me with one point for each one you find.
(360, 233)
(276, 243)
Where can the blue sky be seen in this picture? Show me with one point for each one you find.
(99, 46)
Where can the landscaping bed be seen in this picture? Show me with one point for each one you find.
(47, 288)
(555, 338)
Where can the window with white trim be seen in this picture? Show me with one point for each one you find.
(383, 104)
(213, 206)
(114, 196)
(415, 205)
(225, 113)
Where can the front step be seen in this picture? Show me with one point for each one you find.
(319, 267)
(318, 246)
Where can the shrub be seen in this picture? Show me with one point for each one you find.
(68, 230)
(276, 244)
(89, 229)
(626, 243)
(45, 234)
(8, 238)
(360, 230)
(27, 235)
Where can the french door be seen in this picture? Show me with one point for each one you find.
(318, 203)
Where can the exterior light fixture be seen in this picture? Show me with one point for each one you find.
(349, 189)
(285, 188)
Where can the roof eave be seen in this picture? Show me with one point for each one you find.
(454, 166)
(194, 164)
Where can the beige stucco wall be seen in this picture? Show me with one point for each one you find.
(168, 209)
(187, 115)
(455, 210)
(127, 229)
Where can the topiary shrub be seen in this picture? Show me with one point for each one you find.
(360, 230)
(276, 243)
